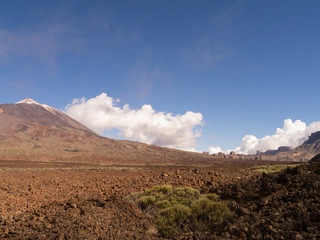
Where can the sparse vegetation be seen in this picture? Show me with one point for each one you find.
(273, 168)
(177, 210)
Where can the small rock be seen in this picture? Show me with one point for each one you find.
(298, 236)
(243, 211)
(74, 205)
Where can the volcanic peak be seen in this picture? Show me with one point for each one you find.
(31, 101)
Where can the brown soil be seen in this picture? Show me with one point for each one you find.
(77, 201)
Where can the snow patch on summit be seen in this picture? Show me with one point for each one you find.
(31, 101)
(28, 101)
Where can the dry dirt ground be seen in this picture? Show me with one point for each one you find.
(74, 201)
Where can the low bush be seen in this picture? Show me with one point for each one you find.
(177, 210)
(212, 196)
(206, 212)
(146, 201)
(172, 220)
(163, 204)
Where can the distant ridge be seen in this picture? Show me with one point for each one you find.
(304, 152)
(313, 138)
(274, 152)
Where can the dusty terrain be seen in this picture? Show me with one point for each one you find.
(76, 201)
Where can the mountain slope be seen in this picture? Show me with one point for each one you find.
(33, 112)
(36, 132)
(308, 149)
(302, 153)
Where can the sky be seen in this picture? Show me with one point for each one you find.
(195, 75)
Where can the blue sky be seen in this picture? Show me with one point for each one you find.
(246, 66)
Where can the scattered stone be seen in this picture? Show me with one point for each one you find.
(243, 211)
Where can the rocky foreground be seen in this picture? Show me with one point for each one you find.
(284, 205)
(82, 202)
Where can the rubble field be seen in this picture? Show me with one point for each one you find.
(74, 201)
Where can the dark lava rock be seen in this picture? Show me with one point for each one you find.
(282, 205)
(315, 158)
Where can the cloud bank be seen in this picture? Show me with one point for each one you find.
(102, 114)
(213, 150)
(292, 134)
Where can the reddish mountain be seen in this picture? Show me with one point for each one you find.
(37, 132)
(13, 117)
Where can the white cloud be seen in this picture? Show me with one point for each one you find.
(145, 124)
(292, 134)
(213, 150)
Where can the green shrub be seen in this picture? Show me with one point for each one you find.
(165, 189)
(159, 192)
(146, 201)
(176, 210)
(163, 204)
(212, 196)
(185, 196)
(205, 213)
(172, 220)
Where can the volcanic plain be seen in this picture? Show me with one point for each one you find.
(77, 201)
